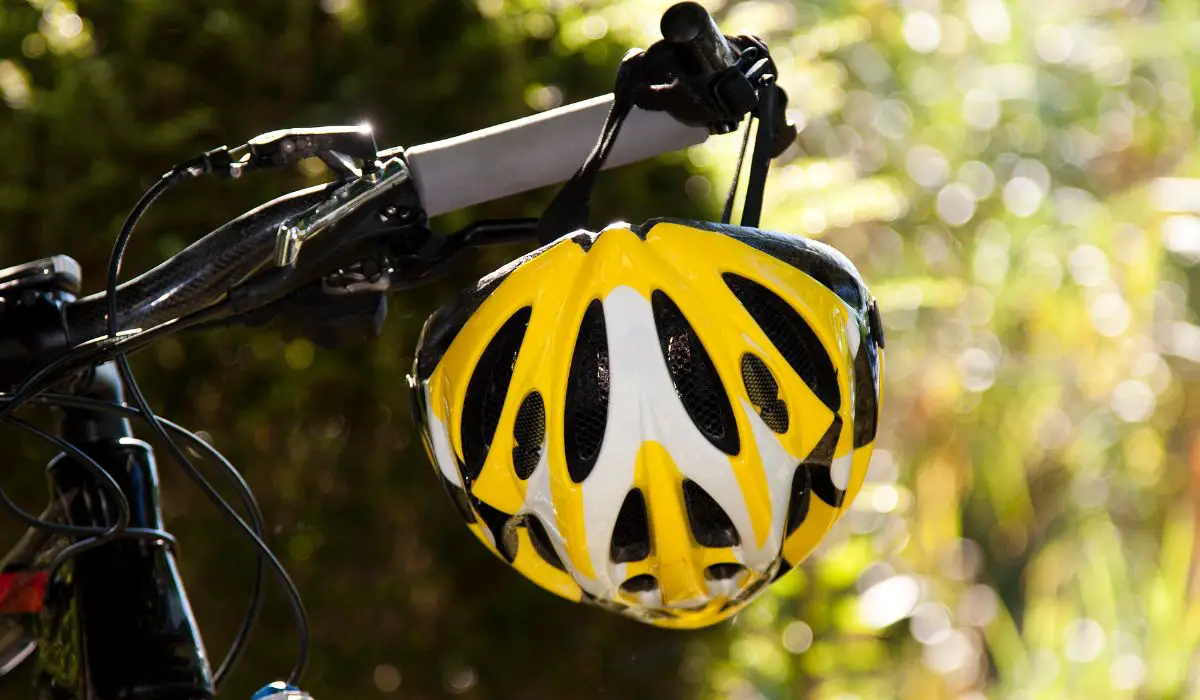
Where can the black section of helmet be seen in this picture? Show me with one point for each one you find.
(497, 523)
(791, 335)
(586, 412)
(799, 499)
(541, 541)
(631, 534)
(823, 263)
(763, 391)
(695, 378)
(866, 397)
(642, 583)
(820, 466)
(459, 498)
(710, 524)
(488, 389)
(866, 384)
(529, 432)
(444, 325)
(720, 572)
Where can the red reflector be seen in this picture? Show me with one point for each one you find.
(22, 592)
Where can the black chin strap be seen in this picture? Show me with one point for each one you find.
(654, 80)
(765, 148)
(571, 208)
(727, 212)
(760, 161)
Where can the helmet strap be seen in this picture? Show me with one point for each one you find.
(760, 161)
(655, 80)
(570, 209)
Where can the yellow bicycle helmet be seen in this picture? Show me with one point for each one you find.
(658, 419)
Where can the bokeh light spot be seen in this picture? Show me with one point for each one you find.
(1128, 671)
(955, 204)
(387, 678)
(889, 601)
(1023, 196)
(930, 623)
(1133, 401)
(1088, 265)
(1083, 640)
(922, 32)
(1110, 314)
(797, 637)
(299, 354)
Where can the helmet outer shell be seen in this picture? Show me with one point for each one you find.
(658, 419)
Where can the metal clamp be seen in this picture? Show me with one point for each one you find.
(298, 230)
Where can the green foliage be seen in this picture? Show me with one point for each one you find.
(1017, 182)
(1002, 175)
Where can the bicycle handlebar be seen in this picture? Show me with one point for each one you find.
(540, 150)
(183, 282)
(451, 174)
(700, 43)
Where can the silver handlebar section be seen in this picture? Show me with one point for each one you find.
(536, 151)
(521, 155)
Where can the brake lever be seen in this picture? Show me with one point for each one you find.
(378, 209)
(337, 146)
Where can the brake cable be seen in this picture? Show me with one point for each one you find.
(169, 179)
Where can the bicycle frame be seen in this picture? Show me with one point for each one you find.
(115, 621)
(120, 611)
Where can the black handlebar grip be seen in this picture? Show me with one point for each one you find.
(701, 46)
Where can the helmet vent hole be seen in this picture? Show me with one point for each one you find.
(528, 434)
(710, 524)
(631, 536)
(642, 583)
(502, 528)
(695, 378)
(798, 501)
(791, 335)
(586, 414)
(488, 389)
(763, 391)
(541, 542)
(722, 572)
